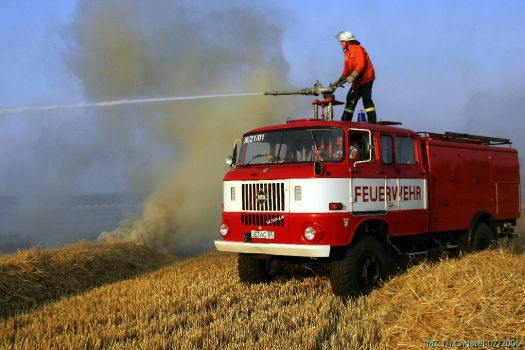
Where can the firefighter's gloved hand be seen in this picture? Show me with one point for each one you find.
(353, 76)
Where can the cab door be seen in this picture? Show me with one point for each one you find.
(411, 185)
(390, 181)
(364, 179)
(371, 176)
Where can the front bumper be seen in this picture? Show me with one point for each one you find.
(312, 251)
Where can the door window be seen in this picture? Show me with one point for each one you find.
(360, 146)
(405, 150)
(387, 149)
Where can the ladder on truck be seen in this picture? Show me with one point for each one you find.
(468, 138)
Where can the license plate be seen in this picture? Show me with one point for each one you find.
(263, 234)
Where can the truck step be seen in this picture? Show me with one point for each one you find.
(416, 253)
(450, 246)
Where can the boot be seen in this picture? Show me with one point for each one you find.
(347, 117)
(371, 117)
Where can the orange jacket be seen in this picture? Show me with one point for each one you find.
(357, 59)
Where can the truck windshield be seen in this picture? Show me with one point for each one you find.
(292, 146)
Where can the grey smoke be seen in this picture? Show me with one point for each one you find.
(123, 49)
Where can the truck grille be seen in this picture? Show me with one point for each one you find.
(263, 196)
(262, 219)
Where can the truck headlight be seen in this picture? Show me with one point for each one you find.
(224, 229)
(310, 233)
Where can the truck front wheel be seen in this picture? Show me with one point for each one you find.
(252, 269)
(359, 269)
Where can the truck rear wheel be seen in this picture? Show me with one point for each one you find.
(252, 269)
(482, 238)
(360, 269)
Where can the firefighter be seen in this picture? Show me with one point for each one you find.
(337, 149)
(358, 71)
(354, 153)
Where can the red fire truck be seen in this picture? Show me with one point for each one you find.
(348, 195)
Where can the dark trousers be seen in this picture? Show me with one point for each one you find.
(364, 91)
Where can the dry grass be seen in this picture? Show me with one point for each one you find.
(519, 243)
(479, 297)
(200, 304)
(36, 276)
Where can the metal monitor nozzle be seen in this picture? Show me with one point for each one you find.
(316, 90)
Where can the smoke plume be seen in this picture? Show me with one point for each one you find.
(123, 49)
(499, 113)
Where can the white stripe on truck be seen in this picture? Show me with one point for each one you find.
(356, 195)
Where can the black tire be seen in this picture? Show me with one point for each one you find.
(253, 270)
(483, 237)
(359, 269)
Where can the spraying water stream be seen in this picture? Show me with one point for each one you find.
(118, 103)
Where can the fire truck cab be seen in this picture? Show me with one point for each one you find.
(350, 194)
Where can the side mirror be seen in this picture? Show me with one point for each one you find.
(234, 154)
(318, 168)
(231, 161)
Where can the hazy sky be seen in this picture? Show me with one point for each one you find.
(440, 66)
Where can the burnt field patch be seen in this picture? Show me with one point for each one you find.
(31, 278)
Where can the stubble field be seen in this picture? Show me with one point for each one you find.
(199, 303)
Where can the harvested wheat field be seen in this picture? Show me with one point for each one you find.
(199, 303)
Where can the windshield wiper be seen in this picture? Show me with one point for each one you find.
(257, 156)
